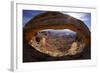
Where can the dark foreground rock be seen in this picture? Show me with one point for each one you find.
(58, 21)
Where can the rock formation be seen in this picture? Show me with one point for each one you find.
(36, 34)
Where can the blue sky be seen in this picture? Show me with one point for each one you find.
(29, 14)
(85, 17)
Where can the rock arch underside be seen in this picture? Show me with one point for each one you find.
(37, 35)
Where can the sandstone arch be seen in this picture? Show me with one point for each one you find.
(55, 20)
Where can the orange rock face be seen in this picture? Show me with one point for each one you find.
(57, 41)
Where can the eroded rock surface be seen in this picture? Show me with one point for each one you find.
(58, 43)
(66, 35)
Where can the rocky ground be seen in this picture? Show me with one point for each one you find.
(54, 46)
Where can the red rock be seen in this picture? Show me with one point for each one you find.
(58, 21)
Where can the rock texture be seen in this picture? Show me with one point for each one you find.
(53, 43)
(57, 43)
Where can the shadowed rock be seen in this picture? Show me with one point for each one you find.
(56, 21)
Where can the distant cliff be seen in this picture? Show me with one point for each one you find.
(79, 36)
